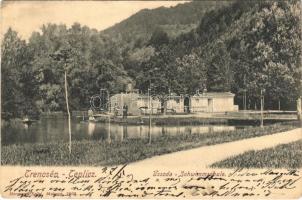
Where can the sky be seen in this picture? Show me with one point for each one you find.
(28, 16)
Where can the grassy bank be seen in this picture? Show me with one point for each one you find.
(282, 156)
(129, 150)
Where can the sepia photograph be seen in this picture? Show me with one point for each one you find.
(151, 99)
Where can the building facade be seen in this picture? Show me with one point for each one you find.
(136, 103)
(175, 104)
(139, 104)
(213, 102)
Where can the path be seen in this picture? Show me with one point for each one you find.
(204, 156)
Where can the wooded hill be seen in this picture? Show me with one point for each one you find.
(238, 46)
(175, 20)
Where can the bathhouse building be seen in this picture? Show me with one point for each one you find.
(175, 104)
(137, 103)
(202, 102)
(213, 102)
(140, 104)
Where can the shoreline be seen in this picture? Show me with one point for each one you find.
(130, 150)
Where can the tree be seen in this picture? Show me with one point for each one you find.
(159, 38)
(277, 73)
(64, 56)
(219, 73)
(274, 53)
(111, 77)
(18, 88)
(47, 71)
(192, 74)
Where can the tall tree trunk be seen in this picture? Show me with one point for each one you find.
(68, 112)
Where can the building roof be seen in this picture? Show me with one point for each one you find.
(131, 95)
(175, 97)
(214, 94)
(200, 95)
(125, 95)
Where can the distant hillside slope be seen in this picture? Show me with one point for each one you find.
(174, 20)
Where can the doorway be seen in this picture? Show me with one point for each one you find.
(187, 104)
(210, 105)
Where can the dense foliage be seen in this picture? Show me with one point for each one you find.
(238, 46)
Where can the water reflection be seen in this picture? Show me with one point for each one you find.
(25, 126)
(91, 128)
(56, 129)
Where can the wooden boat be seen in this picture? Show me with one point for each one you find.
(28, 121)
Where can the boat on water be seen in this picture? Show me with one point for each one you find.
(28, 121)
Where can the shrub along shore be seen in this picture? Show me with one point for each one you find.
(100, 153)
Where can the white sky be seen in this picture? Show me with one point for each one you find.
(28, 16)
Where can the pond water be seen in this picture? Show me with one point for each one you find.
(56, 129)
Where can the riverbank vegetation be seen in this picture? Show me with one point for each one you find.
(281, 156)
(129, 150)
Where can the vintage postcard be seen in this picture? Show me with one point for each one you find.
(151, 99)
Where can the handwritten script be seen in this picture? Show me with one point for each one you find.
(118, 181)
